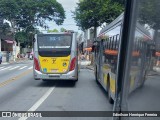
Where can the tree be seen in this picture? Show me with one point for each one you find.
(62, 29)
(148, 14)
(26, 14)
(5, 29)
(26, 37)
(93, 13)
(21, 37)
(37, 11)
(54, 30)
(122, 2)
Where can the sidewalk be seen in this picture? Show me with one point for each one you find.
(16, 61)
(156, 69)
(85, 64)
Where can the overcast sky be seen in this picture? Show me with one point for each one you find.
(69, 23)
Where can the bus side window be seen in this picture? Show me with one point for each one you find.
(110, 39)
(107, 43)
(117, 42)
(114, 42)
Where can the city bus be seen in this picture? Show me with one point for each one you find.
(55, 56)
(106, 50)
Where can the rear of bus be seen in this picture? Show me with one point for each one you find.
(55, 57)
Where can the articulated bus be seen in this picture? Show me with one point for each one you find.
(106, 53)
(55, 56)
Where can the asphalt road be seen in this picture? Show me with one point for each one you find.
(146, 98)
(20, 92)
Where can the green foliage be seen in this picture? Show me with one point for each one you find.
(21, 37)
(4, 29)
(9, 9)
(26, 37)
(149, 13)
(122, 2)
(24, 13)
(62, 29)
(51, 31)
(93, 13)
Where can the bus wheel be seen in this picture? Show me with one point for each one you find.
(77, 76)
(76, 80)
(143, 79)
(44, 80)
(111, 101)
(73, 82)
(96, 76)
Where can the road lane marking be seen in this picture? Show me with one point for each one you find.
(14, 68)
(22, 68)
(1, 67)
(14, 78)
(39, 102)
(30, 68)
(6, 68)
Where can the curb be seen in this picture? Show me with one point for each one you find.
(90, 68)
(12, 62)
(156, 69)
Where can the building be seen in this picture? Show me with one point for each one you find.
(8, 46)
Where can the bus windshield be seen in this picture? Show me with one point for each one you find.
(54, 44)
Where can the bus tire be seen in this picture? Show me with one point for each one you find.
(110, 99)
(44, 80)
(73, 82)
(96, 77)
(143, 79)
(76, 80)
(77, 76)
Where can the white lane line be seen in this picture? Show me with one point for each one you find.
(30, 67)
(39, 102)
(6, 68)
(14, 67)
(1, 67)
(22, 68)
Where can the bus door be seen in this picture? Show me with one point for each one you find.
(143, 65)
(100, 63)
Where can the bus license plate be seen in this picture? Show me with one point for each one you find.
(54, 70)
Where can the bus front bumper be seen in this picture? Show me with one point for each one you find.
(71, 75)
